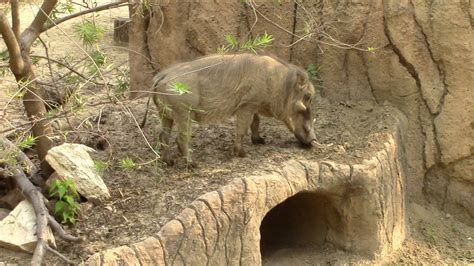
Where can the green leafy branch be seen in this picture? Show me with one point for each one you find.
(259, 42)
(179, 88)
(314, 75)
(62, 8)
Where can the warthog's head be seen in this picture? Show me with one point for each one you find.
(300, 120)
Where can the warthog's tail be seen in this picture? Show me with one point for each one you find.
(156, 80)
(142, 124)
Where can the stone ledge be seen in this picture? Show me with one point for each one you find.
(363, 205)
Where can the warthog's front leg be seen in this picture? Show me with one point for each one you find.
(183, 140)
(256, 139)
(243, 121)
(164, 136)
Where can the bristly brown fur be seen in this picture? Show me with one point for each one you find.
(225, 83)
(240, 85)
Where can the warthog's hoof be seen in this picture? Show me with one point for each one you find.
(258, 140)
(191, 165)
(169, 161)
(240, 152)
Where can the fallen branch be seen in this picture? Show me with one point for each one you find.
(35, 197)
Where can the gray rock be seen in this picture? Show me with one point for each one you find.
(73, 161)
(18, 229)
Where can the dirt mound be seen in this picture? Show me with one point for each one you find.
(361, 180)
(143, 200)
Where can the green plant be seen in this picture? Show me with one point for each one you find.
(4, 55)
(54, 112)
(99, 58)
(179, 87)
(314, 75)
(123, 84)
(231, 40)
(78, 101)
(100, 166)
(89, 32)
(128, 164)
(67, 206)
(27, 143)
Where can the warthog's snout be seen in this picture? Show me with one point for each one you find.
(303, 124)
(307, 138)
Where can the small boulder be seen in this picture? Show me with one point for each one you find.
(73, 161)
(18, 229)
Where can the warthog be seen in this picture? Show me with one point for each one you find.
(240, 85)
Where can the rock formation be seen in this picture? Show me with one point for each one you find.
(357, 205)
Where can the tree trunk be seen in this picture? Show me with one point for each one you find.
(36, 111)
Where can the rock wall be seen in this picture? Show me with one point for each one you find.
(361, 207)
(422, 64)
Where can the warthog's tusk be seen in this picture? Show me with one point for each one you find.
(314, 143)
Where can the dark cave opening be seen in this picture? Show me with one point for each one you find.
(301, 221)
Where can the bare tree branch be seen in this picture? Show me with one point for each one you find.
(16, 61)
(46, 51)
(87, 11)
(61, 64)
(32, 32)
(15, 18)
(336, 43)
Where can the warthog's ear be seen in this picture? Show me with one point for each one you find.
(300, 107)
(301, 78)
(296, 81)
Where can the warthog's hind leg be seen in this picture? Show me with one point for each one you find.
(165, 133)
(256, 138)
(243, 121)
(183, 140)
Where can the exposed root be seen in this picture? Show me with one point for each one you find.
(55, 252)
(58, 229)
